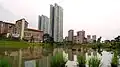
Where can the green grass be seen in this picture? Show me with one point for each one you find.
(13, 44)
(115, 58)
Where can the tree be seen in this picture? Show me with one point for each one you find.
(117, 39)
(98, 42)
(32, 39)
(47, 38)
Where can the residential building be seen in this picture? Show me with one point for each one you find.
(20, 30)
(20, 27)
(6, 27)
(56, 22)
(70, 35)
(44, 24)
(93, 38)
(80, 36)
(37, 35)
(88, 38)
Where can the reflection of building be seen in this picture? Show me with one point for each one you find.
(80, 36)
(70, 35)
(44, 24)
(74, 39)
(56, 22)
(20, 29)
(70, 55)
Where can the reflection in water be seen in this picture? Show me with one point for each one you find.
(69, 54)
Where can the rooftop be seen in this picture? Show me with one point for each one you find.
(21, 20)
(7, 22)
(34, 30)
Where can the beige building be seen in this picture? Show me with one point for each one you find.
(20, 29)
(37, 34)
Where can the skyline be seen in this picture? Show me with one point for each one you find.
(95, 17)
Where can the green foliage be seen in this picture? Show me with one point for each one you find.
(58, 60)
(4, 63)
(115, 58)
(81, 59)
(94, 62)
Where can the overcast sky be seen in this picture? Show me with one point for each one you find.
(100, 17)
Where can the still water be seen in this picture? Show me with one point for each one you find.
(40, 57)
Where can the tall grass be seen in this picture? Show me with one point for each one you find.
(94, 61)
(114, 61)
(58, 60)
(81, 60)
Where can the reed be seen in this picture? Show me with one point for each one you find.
(94, 62)
(81, 60)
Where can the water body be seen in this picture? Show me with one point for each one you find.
(69, 54)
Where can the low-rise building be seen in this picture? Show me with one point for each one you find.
(37, 34)
(6, 27)
(20, 29)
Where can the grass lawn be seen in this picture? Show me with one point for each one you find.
(13, 44)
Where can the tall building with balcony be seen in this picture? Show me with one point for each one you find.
(56, 22)
(44, 24)
(80, 36)
(70, 35)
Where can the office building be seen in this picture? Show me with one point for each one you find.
(56, 22)
(70, 35)
(44, 24)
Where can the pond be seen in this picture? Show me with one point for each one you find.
(70, 55)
